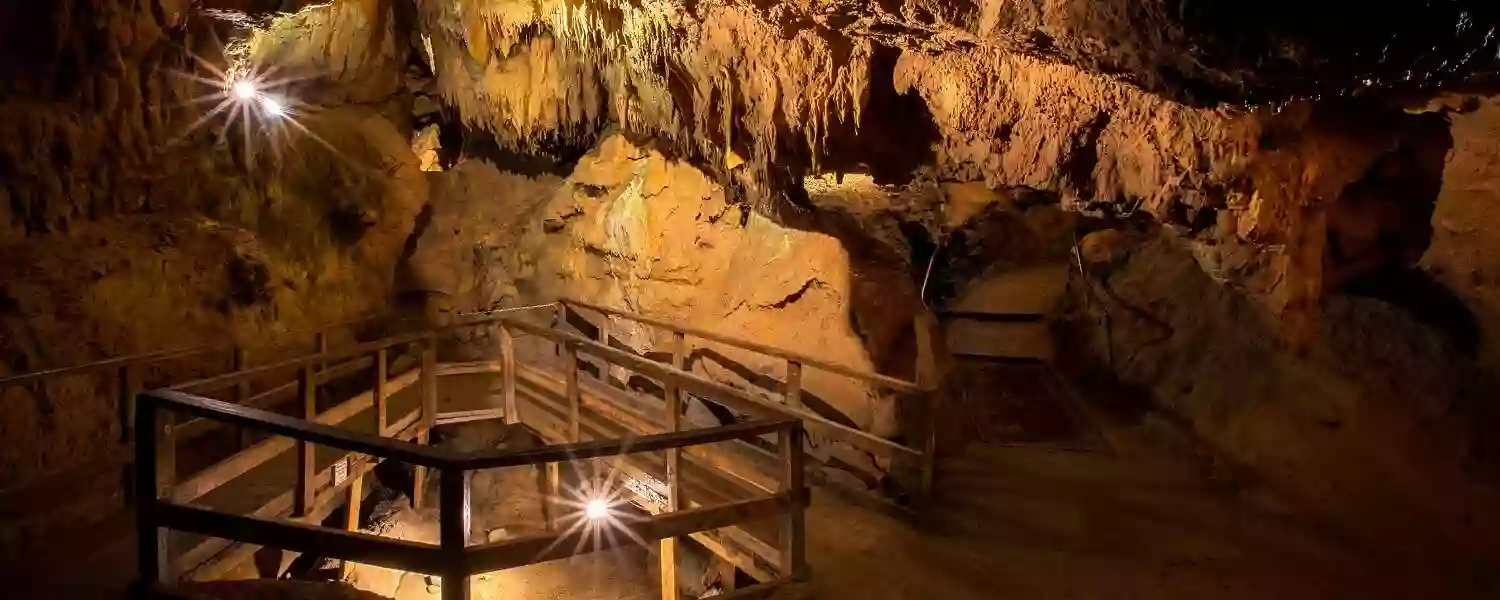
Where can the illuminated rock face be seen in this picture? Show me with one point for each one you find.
(633, 229)
(1008, 94)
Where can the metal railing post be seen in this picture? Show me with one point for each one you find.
(453, 531)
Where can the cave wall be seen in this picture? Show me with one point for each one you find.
(1378, 423)
(1363, 428)
(1464, 253)
(125, 229)
(767, 97)
(636, 230)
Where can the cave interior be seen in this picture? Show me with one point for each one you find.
(1203, 297)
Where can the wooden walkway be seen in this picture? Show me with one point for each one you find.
(288, 486)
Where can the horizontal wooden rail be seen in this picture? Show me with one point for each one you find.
(119, 361)
(203, 561)
(301, 537)
(544, 547)
(242, 462)
(649, 443)
(313, 432)
(197, 427)
(723, 394)
(597, 398)
(900, 385)
(229, 379)
(161, 355)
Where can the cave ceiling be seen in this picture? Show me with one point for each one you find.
(1237, 123)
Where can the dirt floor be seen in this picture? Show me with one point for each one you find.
(1128, 521)
(1010, 521)
(1036, 523)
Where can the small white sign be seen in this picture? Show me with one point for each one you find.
(647, 491)
(340, 471)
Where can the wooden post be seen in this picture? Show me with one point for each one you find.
(560, 322)
(453, 531)
(321, 339)
(728, 576)
(307, 388)
(927, 379)
(669, 580)
(679, 362)
(547, 487)
(793, 531)
(130, 386)
(382, 414)
(351, 516)
(570, 372)
(508, 364)
(153, 558)
(166, 453)
(793, 384)
(429, 382)
(429, 416)
(239, 362)
(604, 339)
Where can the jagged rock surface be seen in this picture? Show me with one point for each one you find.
(124, 229)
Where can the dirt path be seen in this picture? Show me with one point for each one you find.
(1033, 523)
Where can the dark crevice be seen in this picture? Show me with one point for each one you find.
(556, 154)
(1382, 224)
(1080, 164)
(896, 135)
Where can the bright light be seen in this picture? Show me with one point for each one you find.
(596, 509)
(243, 89)
(272, 107)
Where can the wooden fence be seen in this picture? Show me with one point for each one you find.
(453, 558)
(924, 390)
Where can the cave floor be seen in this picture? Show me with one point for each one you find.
(1038, 522)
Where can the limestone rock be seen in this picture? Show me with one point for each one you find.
(650, 241)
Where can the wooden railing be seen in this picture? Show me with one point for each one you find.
(68, 498)
(924, 390)
(453, 559)
(303, 501)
